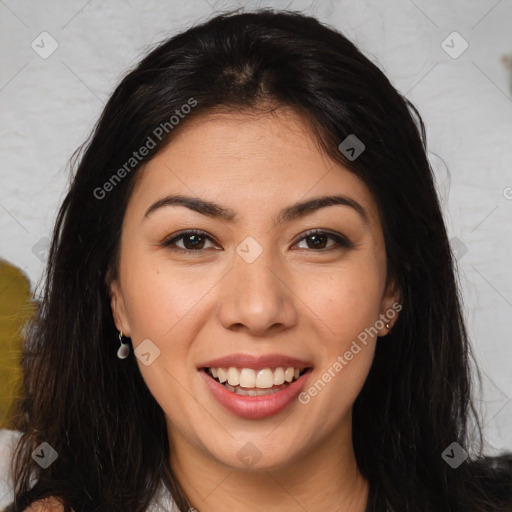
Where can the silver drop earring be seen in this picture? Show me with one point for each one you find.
(124, 348)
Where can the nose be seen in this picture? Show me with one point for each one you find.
(257, 298)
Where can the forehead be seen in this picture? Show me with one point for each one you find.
(248, 160)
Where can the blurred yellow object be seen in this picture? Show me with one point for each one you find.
(16, 308)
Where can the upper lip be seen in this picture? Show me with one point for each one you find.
(255, 362)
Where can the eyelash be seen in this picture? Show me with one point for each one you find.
(340, 240)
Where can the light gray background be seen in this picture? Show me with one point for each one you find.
(48, 107)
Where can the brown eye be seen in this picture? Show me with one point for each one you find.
(317, 240)
(192, 241)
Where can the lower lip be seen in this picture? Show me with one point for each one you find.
(255, 407)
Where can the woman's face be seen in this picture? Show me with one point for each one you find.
(253, 283)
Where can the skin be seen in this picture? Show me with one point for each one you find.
(294, 299)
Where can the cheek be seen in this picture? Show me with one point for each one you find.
(347, 298)
(348, 302)
(161, 297)
(162, 305)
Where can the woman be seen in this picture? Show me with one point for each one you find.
(251, 301)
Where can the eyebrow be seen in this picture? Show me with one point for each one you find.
(293, 212)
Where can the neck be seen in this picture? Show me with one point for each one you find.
(325, 476)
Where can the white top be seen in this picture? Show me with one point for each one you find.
(162, 502)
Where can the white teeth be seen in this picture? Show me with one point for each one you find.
(247, 378)
(233, 377)
(251, 379)
(278, 376)
(265, 379)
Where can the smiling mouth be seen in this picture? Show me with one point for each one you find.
(249, 382)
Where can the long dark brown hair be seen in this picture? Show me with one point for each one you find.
(97, 412)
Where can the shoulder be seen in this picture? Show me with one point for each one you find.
(46, 505)
(500, 467)
(494, 474)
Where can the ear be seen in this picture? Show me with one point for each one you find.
(391, 305)
(117, 304)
